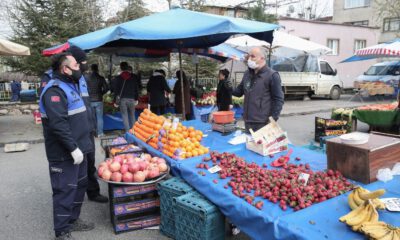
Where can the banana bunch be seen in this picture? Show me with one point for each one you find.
(380, 230)
(366, 212)
(359, 195)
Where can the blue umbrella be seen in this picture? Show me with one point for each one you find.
(176, 28)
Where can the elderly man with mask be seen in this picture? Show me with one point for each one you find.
(262, 90)
(66, 130)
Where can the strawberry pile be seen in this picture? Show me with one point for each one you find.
(281, 186)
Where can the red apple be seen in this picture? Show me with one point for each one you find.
(116, 177)
(133, 167)
(139, 176)
(106, 175)
(124, 168)
(115, 166)
(127, 177)
(162, 167)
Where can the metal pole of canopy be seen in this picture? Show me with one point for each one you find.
(181, 76)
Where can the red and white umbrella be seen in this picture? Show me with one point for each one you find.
(389, 49)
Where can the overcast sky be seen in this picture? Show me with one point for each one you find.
(324, 7)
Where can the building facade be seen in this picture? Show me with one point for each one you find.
(365, 13)
(341, 38)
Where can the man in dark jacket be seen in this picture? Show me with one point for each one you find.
(15, 90)
(262, 90)
(156, 88)
(127, 89)
(66, 130)
(97, 87)
(224, 91)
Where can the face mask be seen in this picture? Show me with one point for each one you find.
(76, 74)
(252, 64)
(83, 67)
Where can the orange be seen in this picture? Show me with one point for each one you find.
(198, 137)
(192, 134)
(188, 154)
(183, 155)
(185, 134)
(195, 153)
(191, 129)
(198, 132)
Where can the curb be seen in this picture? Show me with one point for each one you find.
(34, 141)
(313, 111)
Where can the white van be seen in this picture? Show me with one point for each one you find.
(384, 71)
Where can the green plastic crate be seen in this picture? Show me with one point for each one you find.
(199, 219)
(168, 190)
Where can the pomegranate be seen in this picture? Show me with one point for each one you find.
(118, 158)
(133, 167)
(162, 167)
(124, 168)
(106, 175)
(127, 177)
(116, 177)
(115, 166)
(139, 176)
(142, 165)
(153, 172)
(101, 170)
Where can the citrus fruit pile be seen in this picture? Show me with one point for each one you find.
(174, 140)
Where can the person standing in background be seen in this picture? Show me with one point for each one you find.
(224, 91)
(156, 88)
(127, 90)
(186, 95)
(97, 87)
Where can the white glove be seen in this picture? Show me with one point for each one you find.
(77, 155)
(136, 102)
(231, 107)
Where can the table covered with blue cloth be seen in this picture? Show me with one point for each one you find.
(319, 221)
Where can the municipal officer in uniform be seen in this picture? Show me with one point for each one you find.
(93, 188)
(66, 130)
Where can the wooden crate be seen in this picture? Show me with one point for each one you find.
(362, 162)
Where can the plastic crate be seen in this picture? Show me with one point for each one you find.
(196, 218)
(168, 190)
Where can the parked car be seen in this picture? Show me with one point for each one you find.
(384, 71)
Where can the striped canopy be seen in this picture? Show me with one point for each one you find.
(389, 49)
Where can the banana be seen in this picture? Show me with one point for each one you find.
(351, 202)
(371, 195)
(374, 217)
(378, 204)
(353, 213)
(388, 236)
(363, 216)
(356, 195)
(396, 235)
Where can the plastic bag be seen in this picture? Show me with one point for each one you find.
(396, 169)
(384, 175)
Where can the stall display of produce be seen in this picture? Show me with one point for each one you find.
(345, 114)
(379, 115)
(329, 127)
(375, 88)
(170, 137)
(209, 98)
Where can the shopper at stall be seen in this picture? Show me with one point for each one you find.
(224, 91)
(66, 130)
(262, 90)
(127, 90)
(156, 88)
(97, 87)
(178, 95)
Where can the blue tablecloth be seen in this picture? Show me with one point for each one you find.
(320, 221)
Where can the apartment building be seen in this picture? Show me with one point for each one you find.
(365, 13)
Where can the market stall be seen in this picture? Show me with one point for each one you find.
(271, 220)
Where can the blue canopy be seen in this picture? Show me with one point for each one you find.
(355, 58)
(176, 28)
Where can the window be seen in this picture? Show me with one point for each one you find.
(358, 44)
(334, 45)
(356, 3)
(326, 69)
(358, 23)
(391, 24)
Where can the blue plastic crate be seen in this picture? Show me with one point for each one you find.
(198, 219)
(168, 190)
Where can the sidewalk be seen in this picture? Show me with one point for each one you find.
(19, 129)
